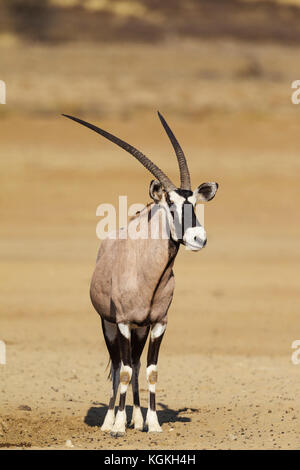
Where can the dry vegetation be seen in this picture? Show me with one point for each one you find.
(188, 77)
(57, 21)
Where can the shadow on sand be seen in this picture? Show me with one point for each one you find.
(96, 414)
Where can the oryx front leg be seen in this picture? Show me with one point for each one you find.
(124, 335)
(138, 340)
(156, 336)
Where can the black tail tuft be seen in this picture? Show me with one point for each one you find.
(109, 377)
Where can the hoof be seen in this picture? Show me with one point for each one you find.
(137, 421)
(152, 422)
(119, 426)
(117, 434)
(139, 427)
(106, 427)
(155, 429)
(136, 426)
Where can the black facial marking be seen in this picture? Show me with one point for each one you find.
(181, 192)
(168, 200)
(187, 218)
(184, 193)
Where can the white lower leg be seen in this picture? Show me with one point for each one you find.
(137, 418)
(151, 419)
(108, 421)
(110, 415)
(120, 421)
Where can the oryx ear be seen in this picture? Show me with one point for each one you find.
(206, 191)
(155, 191)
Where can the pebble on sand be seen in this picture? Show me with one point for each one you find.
(69, 443)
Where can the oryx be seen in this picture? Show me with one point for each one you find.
(133, 282)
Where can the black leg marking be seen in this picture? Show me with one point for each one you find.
(156, 337)
(125, 348)
(125, 377)
(111, 340)
(122, 401)
(138, 341)
(152, 404)
(153, 350)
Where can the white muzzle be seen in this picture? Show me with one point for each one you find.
(194, 238)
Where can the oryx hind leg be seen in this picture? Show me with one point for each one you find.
(138, 340)
(111, 340)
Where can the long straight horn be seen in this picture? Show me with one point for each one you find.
(157, 172)
(185, 181)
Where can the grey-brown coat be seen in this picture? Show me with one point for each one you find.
(133, 282)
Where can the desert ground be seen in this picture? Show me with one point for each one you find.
(226, 378)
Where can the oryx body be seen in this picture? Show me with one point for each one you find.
(133, 282)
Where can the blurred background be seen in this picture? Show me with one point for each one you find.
(220, 71)
(119, 57)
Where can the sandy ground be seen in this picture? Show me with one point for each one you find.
(226, 379)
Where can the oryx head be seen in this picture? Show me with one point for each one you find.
(179, 203)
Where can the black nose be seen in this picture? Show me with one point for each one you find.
(198, 240)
